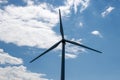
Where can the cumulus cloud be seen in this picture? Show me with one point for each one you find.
(107, 11)
(16, 72)
(19, 73)
(5, 58)
(32, 25)
(29, 26)
(96, 33)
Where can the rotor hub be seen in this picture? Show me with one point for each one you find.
(63, 41)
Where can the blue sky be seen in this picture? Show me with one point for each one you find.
(29, 27)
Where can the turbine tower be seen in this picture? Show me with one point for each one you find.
(63, 41)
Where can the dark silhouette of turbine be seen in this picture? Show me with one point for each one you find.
(63, 41)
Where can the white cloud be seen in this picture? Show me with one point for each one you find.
(81, 24)
(96, 33)
(29, 26)
(70, 56)
(18, 72)
(85, 4)
(68, 4)
(76, 3)
(5, 58)
(3, 1)
(107, 11)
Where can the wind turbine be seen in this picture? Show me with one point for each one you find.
(63, 41)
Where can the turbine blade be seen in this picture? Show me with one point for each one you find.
(54, 46)
(72, 42)
(61, 27)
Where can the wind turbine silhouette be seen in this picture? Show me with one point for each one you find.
(63, 41)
